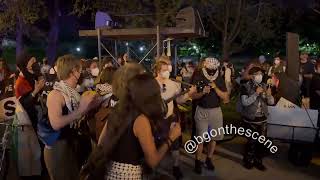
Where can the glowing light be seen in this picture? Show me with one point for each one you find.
(141, 48)
(127, 44)
(78, 49)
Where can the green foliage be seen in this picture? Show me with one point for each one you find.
(29, 11)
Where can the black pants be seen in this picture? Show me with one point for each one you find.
(254, 151)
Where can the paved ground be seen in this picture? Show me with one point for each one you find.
(228, 165)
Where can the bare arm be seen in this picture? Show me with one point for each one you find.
(224, 95)
(55, 103)
(103, 135)
(142, 131)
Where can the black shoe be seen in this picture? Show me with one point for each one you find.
(198, 167)
(209, 164)
(259, 165)
(248, 163)
(177, 172)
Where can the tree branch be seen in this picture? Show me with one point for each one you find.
(219, 28)
(236, 26)
(226, 21)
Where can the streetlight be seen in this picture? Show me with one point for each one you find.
(141, 48)
(78, 49)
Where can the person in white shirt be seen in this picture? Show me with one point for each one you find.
(170, 89)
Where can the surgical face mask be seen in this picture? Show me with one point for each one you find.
(170, 68)
(95, 72)
(258, 78)
(165, 74)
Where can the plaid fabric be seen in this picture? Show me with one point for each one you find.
(122, 171)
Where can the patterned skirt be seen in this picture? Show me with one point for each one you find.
(122, 171)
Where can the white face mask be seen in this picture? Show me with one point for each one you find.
(95, 72)
(258, 78)
(165, 74)
(170, 68)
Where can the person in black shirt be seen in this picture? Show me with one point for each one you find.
(306, 71)
(315, 90)
(208, 112)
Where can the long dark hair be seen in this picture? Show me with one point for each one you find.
(138, 93)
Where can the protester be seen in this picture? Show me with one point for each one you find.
(281, 82)
(315, 90)
(226, 72)
(53, 70)
(170, 89)
(4, 74)
(45, 66)
(306, 72)
(213, 91)
(132, 125)
(65, 107)
(4, 70)
(27, 88)
(255, 97)
(265, 66)
(187, 72)
(277, 67)
(94, 69)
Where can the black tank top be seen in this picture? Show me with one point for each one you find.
(128, 150)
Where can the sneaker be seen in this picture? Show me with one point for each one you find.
(177, 172)
(209, 164)
(259, 165)
(198, 167)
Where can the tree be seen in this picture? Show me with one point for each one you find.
(17, 15)
(239, 22)
(53, 35)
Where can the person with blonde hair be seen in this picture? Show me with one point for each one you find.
(65, 108)
(171, 89)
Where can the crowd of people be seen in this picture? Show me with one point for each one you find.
(116, 120)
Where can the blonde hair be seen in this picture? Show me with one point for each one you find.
(65, 65)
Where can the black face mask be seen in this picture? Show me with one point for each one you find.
(211, 72)
(36, 69)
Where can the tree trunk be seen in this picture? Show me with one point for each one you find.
(225, 49)
(54, 31)
(19, 37)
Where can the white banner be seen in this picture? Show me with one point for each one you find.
(7, 108)
(281, 122)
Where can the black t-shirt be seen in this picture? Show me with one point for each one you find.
(314, 97)
(212, 99)
(306, 68)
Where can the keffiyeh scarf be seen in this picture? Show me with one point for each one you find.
(71, 96)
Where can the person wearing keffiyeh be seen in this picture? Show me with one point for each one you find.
(65, 107)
